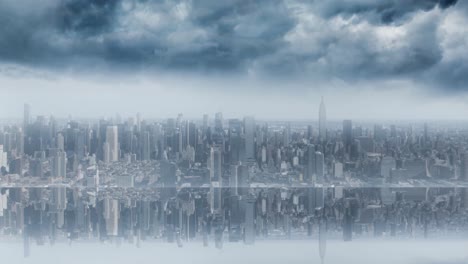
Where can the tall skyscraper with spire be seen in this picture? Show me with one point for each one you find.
(322, 120)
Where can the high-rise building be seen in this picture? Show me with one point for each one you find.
(36, 167)
(249, 133)
(112, 140)
(322, 120)
(205, 123)
(316, 198)
(234, 180)
(106, 152)
(347, 135)
(145, 145)
(310, 171)
(3, 158)
(216, 199)
(338, 170)
(463, 167)
(379, 133)
(59, 164)
(236, 148)
(386, 165)
(287, 135)
(111, 216)
(60, 142)
(168, 173)
(242, 179)
(218, 121)
(426, 134)
(320, 166)
(249, 225)
(215, 164)
(192, 134)
(16, 166)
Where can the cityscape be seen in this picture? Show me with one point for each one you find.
(234, 131)
(222, 181)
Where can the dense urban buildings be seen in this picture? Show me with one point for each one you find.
(229, 132)
(234, 180)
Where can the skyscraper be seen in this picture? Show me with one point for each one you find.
(60, 142)
(112, 140)
(3, 158)
(205, 123)
(168, 171)
(386, 165)
(347, 135)
(463, 167)
(236, 146)
(145, 145)
(322, 120)
(215, 164)
(59, 162)
(310, 164)
(249, 226)
(319, 166)
(233, 180)
(249, 132)
(219, 121)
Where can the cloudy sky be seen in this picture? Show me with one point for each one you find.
(389, 59)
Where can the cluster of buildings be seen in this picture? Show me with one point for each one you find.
(225, 215)
(132, 152)
(234, 180)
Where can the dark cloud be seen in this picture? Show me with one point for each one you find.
(347, 39)
(87, 17)
(384, 11)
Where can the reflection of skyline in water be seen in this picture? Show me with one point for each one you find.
(217, 218)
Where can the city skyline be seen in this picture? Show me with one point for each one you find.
(234, 131)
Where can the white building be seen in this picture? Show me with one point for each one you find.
(113, 142)
(3, 158)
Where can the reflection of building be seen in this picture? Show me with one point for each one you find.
(234, 180)
(216, 199)
(316, 198)
(111, 216)
(249, 225)
(59, 204)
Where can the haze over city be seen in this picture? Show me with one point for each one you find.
(236, 131)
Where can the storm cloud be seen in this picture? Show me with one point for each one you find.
(352, 40)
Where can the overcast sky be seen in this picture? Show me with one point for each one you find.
(390, 59)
